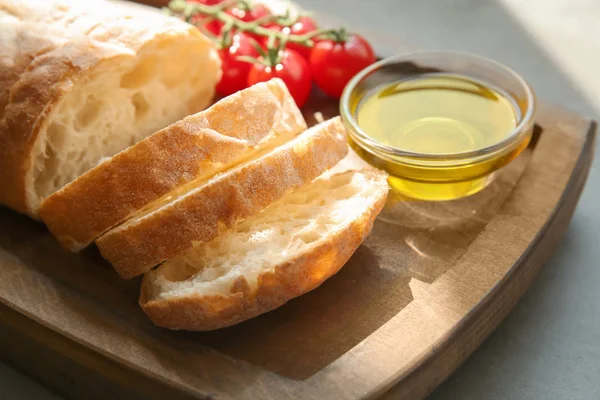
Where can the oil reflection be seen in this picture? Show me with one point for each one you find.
(400, 210)
(431, 215)
(424, 239)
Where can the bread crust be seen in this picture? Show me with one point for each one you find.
(46, 47)
(142, 243)
(196, 147)
(31, 84)
(290, 279)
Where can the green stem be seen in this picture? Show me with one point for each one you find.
(340, 35)
(227, 34)
(188, 10)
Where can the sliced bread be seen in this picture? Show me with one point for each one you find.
(262, 262)
(232, 130)
(83, 80)
(174, 224)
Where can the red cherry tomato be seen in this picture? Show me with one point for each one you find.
(303, 26)
(207, 2)
(259, 11)
(253, 14)
(207, 24)
(235, 72)
(211, 25)
(293, 69)
(333, 63)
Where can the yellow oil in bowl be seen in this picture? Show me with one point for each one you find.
(438, 114)
(439, 123)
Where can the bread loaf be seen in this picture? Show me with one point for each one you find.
(233, 200)
(208, 208)
(262, 262)
(83, 80)
(232, 130)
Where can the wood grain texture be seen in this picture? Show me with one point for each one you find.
(411, 304)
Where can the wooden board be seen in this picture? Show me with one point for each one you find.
(412, 303)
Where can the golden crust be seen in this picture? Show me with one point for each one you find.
(30, 85)
(293, 278)
(196, 147)
(140, 244)
(46, 46)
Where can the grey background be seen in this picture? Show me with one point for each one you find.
(549, 346)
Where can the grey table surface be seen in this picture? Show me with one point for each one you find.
(549, 346)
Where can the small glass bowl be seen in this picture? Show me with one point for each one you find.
(438, 176)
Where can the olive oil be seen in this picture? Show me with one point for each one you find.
(438, 114)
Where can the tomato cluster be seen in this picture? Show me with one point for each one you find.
(330, 59)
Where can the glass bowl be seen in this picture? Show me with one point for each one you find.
(439, 176)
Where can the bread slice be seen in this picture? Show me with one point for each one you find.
(260, 117)
(83, 80)
(170, 226)
(262, 262)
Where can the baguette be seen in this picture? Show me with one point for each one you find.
(262, 262)
(83, 80)
(207, 209)
(260, 117)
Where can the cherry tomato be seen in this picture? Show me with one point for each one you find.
(334, 63)
(211, 25)
(207, 24)
(235, 72)
(207, 2)
(259, 11)
(302, 26)
(253, 14)
(292, 68)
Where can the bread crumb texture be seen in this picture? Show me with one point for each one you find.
(289, 248)
(83, 80)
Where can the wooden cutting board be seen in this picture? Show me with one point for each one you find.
(411, 304)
